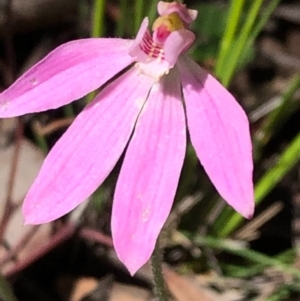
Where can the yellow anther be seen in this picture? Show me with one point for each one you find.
(173, 22)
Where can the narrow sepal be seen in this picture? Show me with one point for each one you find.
(149, 175)
(219, 131)
(84, 156)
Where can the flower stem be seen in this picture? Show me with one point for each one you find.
(138, 14)
(6, 293)
(160, 289)
(98, 18)
(122, 28)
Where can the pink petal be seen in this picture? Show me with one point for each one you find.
(149, 176)
(176, 43)
(87, 152)
(135, 50)
(67, 73)
(219, 131)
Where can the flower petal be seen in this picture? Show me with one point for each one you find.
(149, 176)
(67, 73)
(219, 131)
(176, 43)
(135, 50)
(87, 152)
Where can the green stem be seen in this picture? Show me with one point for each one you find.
(138, 14)
(236, 52)
(247, 254)
(263, 20)
(121, 26)
(98, 19)
(40, 141)
(233, 19)
(98, 30)
(6, 293)
(152, 11)
(69, 111)
(158, 279)
(276, 119)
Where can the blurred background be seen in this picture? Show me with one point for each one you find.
(210, 252)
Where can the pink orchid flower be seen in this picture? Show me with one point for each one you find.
(143, 107)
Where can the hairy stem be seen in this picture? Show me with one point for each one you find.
(160, 289)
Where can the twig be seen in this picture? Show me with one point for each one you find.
(9, 206)
(62, 235)
(13, 253)
(95, 235)
(44, 130)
